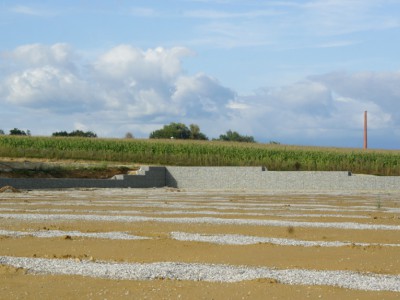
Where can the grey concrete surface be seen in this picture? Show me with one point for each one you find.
(254, 178)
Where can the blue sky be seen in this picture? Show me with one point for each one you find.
(296, 72)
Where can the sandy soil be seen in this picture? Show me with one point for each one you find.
(370, 209)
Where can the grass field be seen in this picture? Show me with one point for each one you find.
(204, 153)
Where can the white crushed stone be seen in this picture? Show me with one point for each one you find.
(202, 220)
(183, 212)
(172, 203)
(204, 272)
(176, 204)
(59, 233)
(222, 239)
(236, 239)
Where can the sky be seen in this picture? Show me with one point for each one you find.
(294, 72)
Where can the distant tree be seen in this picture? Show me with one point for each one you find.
(129, 135)
(17, 131)
(195, 133)
(1, 132)
(233, 136)
(83, 134)
(178, 131)
(60, 133)
(78, 133)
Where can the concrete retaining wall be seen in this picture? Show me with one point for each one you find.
(147, 177)
(254, 178)
(258, 178)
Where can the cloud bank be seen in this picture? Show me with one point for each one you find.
(47, 88)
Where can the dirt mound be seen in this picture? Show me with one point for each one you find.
(9, 189)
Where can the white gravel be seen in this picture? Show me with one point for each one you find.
(222, 239)
(59, 233)
(236, 239)
(171, 203)
(204, 272)
(181, 212)
(201, 220)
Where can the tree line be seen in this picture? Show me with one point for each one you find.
(171, 131)
(181, 131)
(75, 133)
(16, 131)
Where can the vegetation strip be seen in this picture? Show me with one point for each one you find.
(203, 220)
(236, 239)
(204, 272)
(203, 153)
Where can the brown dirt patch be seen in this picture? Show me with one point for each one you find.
(41, 168)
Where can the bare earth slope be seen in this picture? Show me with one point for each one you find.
(40, 168)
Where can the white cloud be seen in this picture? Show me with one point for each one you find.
(201, 91)
(326, 109)
(130, 89)
(292, 24)
(80, 126)
(152, 83)
(380, 88)
(44, 87)
(144, 12)
(37, 55)
(214, 14)
(235, 105)
(126, 85)
(337, 44)
(125, 61)
(333, 17)
(30, 11)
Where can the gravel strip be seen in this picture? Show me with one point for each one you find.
(204, 272)
(236, 239)
(181, 212)
(58, 233)
(202, 220)
(177, 205)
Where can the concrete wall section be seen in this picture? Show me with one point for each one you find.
(212, 177)
(254, 178)
(258, 178)
(146, 178)
(369, 182)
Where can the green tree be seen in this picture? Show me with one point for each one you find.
(129, 135)
(78, 133)
(83, 133)
(234, 136)
(195, 133)
(17, 131)
(1, 132)
(178, 131)
(60, 133)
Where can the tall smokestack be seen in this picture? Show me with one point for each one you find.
(365, 131)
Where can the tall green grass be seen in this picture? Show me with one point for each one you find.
(204, 153)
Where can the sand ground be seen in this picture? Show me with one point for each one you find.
(160, 246)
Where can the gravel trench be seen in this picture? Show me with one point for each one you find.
(203, 272)
(202, 220)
